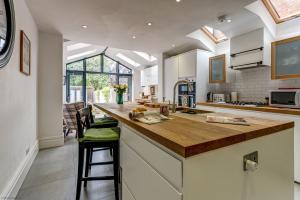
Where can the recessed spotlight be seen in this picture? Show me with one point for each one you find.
(178, 1)
(149, 24)
(84, 26)
(133, 37)
(229, 20)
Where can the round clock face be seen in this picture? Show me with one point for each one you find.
(7, 30)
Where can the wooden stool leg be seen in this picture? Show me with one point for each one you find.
(116, 168)
(80, 169)
(87, 164)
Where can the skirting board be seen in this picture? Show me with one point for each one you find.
(50, 142)
(13, 186)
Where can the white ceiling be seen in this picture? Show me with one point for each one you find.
(111, 52)
(113, 22)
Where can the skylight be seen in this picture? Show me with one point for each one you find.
(77, 46)
(146, 56)
(128, 60)
(216, 35)
(81, 54)
(283, 10)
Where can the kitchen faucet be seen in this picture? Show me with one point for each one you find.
(174, 92)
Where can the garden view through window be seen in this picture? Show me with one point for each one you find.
(92, 79)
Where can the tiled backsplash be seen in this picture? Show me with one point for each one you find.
(252, 84)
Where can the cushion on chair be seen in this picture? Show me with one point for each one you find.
(105, 121)
(103, 134)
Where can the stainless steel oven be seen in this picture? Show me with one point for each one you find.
(285, 98)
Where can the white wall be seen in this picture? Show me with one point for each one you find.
(18, 105)
(50, 79)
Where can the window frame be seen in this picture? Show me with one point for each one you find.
(84, 72)
(211, 36)
(273, 12)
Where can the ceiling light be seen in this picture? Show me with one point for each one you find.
(128, 60)
(133, 37)
(84, 26)
(81, 54)
(149, 24)
(173, 45)
(178, 1)
(146, 56)
(229, 20)
(77, 46)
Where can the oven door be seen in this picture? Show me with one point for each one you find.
(287, 99)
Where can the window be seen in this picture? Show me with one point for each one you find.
(93, 64)
(85, 80)
(216, 35)
(124, 70)
(283, 10)
(78, 66)
(109, 66)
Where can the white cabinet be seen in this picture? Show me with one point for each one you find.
(149, 76)
(275, 116)
(126, 194)
(187, 64)
(147, 171)
(170, 77)
(193, 64)
(259, 38)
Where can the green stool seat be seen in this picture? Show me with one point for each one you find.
(103, 134)
(104, 122)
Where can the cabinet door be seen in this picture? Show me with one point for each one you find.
(126, 194)
(154, 75)
(170, 77)
(142, 180)
(187, 64)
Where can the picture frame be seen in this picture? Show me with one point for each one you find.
(284, 58)
(25, 54)
(217, 69)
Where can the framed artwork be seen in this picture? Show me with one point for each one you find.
(217, 69)
(285, 58)
(25, 54)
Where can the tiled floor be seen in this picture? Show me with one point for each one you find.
(53, 177)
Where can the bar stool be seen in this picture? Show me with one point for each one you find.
(105, 122)
(95, 138)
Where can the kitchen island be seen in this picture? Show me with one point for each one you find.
(190, 159)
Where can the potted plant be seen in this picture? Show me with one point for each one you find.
(120, 89)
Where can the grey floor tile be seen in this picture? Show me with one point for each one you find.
(57, 190)
(53, 176)
(54, 171)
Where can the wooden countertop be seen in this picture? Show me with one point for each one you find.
(259, 108)
(189, 135)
